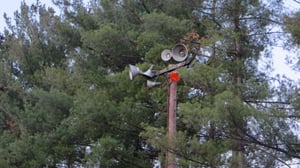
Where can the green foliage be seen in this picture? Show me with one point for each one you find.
(45, 110)
(292, 26)
(111, 47)
(158, 29)
(66, 98)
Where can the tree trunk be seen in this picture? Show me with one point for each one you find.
(238, 153)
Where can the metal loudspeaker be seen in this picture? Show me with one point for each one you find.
(151, 84)
(180, 52)
(149, 72)
(133, 71)
(166, 55)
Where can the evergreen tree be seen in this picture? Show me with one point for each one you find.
(35, 89)
(229, 116)
(66, 98)
(291, 26)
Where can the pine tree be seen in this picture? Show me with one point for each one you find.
(224, 120)
(66, 98)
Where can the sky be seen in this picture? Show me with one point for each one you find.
(10, 6)
(279, 54)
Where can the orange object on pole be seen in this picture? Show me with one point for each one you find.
(174, 76)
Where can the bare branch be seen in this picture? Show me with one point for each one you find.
(267, 102)
(297, 1)
(8, 113)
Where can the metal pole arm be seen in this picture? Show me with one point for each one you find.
(175, 66)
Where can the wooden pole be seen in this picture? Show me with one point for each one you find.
(171, 159)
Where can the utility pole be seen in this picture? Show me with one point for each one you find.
(172, 106)
(180, 54)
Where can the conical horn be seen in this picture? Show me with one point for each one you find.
(151, 84)
(166, 55)
(180, 52)
(149, 73)
(133, 71)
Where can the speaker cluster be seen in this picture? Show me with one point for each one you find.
(179, 53)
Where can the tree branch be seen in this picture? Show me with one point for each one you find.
(254, 140)
(9, 114)
(267, 102)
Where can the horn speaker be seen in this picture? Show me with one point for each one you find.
(133, 71)
(180, 52)
(166, 55)
(151, 84)
(149, 72)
